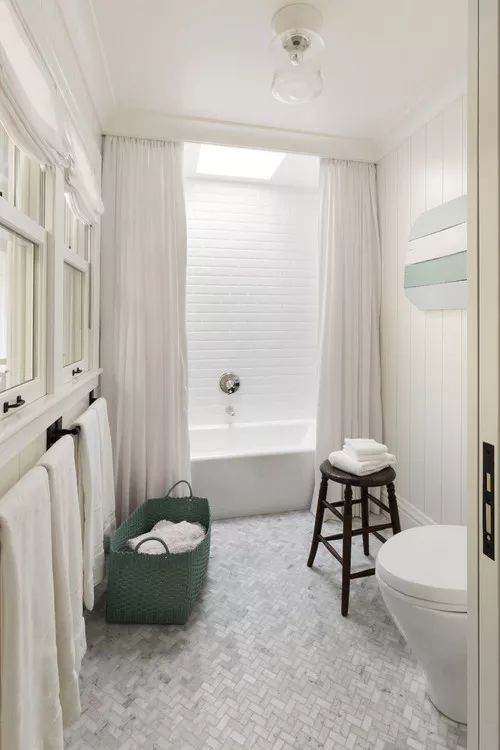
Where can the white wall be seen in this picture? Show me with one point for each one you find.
(251, 299)
(423, 353)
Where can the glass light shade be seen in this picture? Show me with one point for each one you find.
(297, 84)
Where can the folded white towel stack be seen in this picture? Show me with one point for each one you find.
(179, 537)
(361, 448)
(362, 456)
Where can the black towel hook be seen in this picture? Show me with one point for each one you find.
(55, 431)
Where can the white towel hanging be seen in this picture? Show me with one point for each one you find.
(31, 715)
(67, 560)
(107, 476)
(91, 503)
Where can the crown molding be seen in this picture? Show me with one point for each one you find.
(80, 21)
(418, 117)
(156, 125)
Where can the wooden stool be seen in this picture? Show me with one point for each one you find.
(382, 478)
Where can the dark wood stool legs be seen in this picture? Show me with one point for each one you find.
(320, 512)
(346, 549)
(393, 508)
(365, 521)
(379, 479)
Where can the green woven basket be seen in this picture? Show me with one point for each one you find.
(157, 589)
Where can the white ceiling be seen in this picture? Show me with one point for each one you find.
(212, 59)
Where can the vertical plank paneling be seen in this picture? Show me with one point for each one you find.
(390, 275)
(403, 327)
(453, 161)
(434, 339)
(384, 319)
(452, 437)
(417, 334)
(423, 354)
(464, 145)
(382, 170)
(464, 503)
(452, 441)
(463, 400)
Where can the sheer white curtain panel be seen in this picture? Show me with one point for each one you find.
(143, 341)
(349, 402)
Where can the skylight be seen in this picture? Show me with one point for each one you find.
(238, 162)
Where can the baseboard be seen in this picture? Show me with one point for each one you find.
(410, 515)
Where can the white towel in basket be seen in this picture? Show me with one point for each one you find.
(179, 537)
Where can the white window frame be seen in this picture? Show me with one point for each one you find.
(76, 261)
(20, 427)
(11, 163)
(11, 218)
(12, 177)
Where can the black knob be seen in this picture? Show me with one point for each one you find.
(77, 371)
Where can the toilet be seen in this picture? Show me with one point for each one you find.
(422, 574)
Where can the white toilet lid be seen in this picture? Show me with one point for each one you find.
(428, 562)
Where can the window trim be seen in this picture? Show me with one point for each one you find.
(20, 427)
(76, 261)
(12, 219)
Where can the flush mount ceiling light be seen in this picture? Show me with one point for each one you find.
(244, 163)
(298, 43)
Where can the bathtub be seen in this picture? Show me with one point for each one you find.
(252, 468)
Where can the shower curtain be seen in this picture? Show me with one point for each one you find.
(349, 402)
(143, 334)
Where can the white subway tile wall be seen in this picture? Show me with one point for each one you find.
(252, 299)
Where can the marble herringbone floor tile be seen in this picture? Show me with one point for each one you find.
(266, 661)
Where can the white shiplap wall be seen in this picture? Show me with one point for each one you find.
(251, 299)
(423, 353)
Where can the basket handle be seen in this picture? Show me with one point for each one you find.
(153, 539)
(181, 481)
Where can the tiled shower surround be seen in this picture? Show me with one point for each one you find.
(252, 299)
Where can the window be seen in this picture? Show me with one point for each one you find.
(244, 163)
(21, 180)
(22, 278)
(76, 292)
(17, 310)
(76, 234)
(74, 286)
(29, 187)
(6, 167)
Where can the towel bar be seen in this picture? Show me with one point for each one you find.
(55, 431)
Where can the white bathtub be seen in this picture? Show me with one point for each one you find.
(253, 468)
